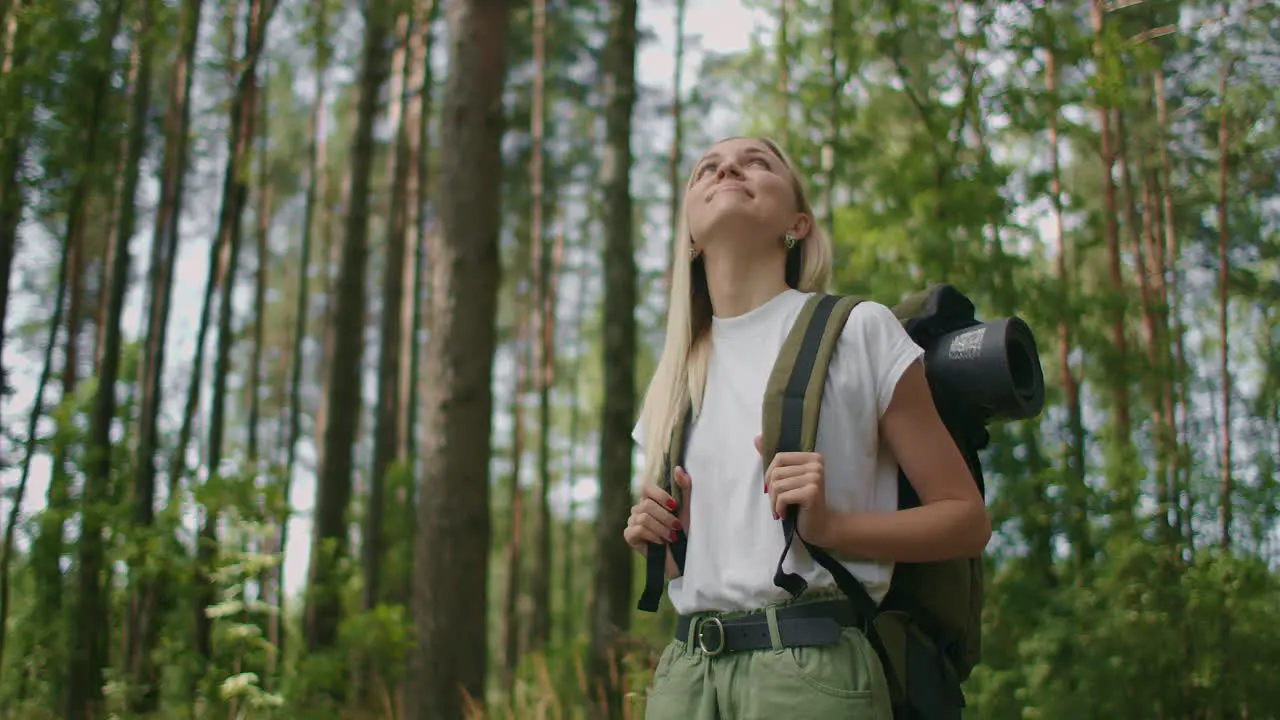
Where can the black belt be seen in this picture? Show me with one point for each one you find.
(809, 624)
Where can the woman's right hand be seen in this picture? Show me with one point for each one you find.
(656, 518)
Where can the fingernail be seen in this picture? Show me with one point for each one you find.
(766, 488)
(775, 516)
(676, 525)
(671, 504)
(673, 536)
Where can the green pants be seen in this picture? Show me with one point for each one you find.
(844, 680)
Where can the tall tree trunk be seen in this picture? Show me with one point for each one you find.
(235, 190)
(612, 611)
(420, 44)
(37, 409)
(511, 609)
(342, 381)
(540, 568)
(1073, 452)
(833, 103)
(142, 624)
(1122, 485)
(13, 130)
(783, 56)
(572, 556)
(1225, 497)
(87, 639)
(386, 430)
(675, 155)
(315, 185)
(452, 547)
(1154, 379)
(1181, 492)
(262, 236)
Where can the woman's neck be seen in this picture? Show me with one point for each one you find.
(738, 284)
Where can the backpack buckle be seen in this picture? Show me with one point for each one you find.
(702, 636)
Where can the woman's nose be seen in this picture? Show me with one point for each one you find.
(728, 168)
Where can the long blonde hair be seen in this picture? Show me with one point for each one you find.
(681, 374)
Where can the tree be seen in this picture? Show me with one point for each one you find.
(452, 548)
(613, 597)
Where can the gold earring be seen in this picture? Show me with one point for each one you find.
(789, 240)
(693, 253)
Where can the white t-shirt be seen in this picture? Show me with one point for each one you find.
(734, 540)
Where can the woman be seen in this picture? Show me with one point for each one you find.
(745, 219)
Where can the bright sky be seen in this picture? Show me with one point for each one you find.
(717, 25)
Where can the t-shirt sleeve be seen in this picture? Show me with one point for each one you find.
(877, 338)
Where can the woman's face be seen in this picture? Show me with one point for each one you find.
(743, 191)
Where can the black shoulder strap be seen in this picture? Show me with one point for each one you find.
(655, 570)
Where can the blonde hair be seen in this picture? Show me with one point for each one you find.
(681, 374)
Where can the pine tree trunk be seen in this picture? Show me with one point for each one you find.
(87, 639)
(1117, 368)
(315, 186)
(37, 409)
(235, 190)
(452, 548)
(539, 627)
(387, 411)
(142, 624)
(612, 611)
(342, 381)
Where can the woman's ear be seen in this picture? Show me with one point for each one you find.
(801, 226)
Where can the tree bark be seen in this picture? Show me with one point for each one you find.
(141, 625)
(342, 381)
(315, 185)
(87, 639)
(387, 411)
(452, 548)
(1120, 436)
(612, 608)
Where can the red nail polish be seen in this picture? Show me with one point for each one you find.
(766, 488)
(671, 504)
(673, 536)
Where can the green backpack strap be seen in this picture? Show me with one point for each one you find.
(792, 404)
(655, 570)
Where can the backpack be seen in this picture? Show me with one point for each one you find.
(927, 629)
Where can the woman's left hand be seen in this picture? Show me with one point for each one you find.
(796, 478)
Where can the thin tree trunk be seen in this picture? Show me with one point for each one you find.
(613, 581)
(1225, 498)
(452, 543)
(1120, 433)
(87, 639)
(13, 131)
(1173, 254)
(675, 155)
(386, 430)
(1146, 295)
(37, 409)
(315, 185)
(142, 625)
(1073, 452)
(235, 191)
(511, 609)
(539, 627)
(783, 56)
(833, 102)
(572, 558)
(342, 380)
